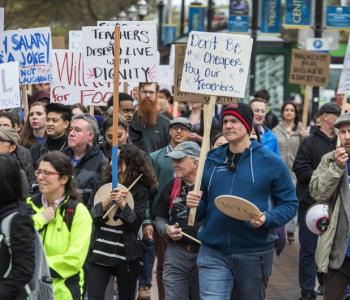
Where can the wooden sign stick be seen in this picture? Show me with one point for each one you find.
(115, 109)
(306, 105)
(92, 110)
(25, 101)
(125, 87)
(343, 107)
(188, 236)
(204, 149)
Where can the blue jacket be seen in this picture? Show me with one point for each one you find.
(259, 176)
(269, 140)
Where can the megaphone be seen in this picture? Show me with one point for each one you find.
(317, 218)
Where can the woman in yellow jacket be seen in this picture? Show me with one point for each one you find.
(64, 224)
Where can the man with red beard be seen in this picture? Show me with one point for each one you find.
(148, 129)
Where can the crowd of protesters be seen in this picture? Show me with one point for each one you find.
(54, 162)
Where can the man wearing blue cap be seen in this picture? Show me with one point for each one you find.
(236, 256)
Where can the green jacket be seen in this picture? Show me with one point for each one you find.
(66, 251)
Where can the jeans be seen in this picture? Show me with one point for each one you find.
(307, 263)
(148, 262)
(245, 274)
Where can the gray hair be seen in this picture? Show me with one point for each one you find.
(91, 120)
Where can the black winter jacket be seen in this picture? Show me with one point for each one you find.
(88, 172)
(132, 219)
(306, 161)
(23, 248)
(25, 161)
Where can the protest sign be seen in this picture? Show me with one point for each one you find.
(31, 48)
(165, 75)
(69, 84)
(216, 64)
(309, 67)
(75, 40)
(180, 52)
(125, 23)
(344, 82)
(138, 60)
(9, 86)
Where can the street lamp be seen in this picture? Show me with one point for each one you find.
(132, 13)
(141, 9)
(160, 20)
(122, 16)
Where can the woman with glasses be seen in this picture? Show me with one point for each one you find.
(116, 251)
(63, 222)
(19, 265)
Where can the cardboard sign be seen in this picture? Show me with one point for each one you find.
(344, 82)
(69, 84)
(138, 53)
(180, 52)
(31, 48)
(216, 64)
(9, 86)
(75, 40)
(309, 68)
(237, 208)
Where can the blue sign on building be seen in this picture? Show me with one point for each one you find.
(338, 16)
(238, 20)
(270, 18)
(168, 34)
(298, 13)
(196, 18)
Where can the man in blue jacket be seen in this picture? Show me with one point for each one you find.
(237, 255)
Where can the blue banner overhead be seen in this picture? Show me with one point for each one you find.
(270, 17)
(298, 13)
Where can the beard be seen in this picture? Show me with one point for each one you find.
(148, 113)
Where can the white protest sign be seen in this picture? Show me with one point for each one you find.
(344, 82)
(75, 40)
(138, 53)
(166, 76)
(31, 48)
(123, 23)
(9, 86)
(216, 64)
(69, 85)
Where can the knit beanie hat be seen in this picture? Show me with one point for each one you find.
(243, 112)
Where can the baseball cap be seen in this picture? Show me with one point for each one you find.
(185, 149)
(181, 120)
(342, 120)
(330, 108)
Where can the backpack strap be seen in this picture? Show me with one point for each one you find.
(175, 191)
(6, 237)
(69, 211)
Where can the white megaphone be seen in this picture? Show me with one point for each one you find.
(317, 218)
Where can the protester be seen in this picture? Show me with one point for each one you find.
(339, 99)
(116, 250)
(7, 120)
(57, 123)
(87, 159)
(34, 128)
(78, 109)
(180, 129)
(9, 140)
(268, 138)
(63, 222)
(180, 275)
(309, 155)
(330, 184)
(290, 132)
(107, 128)
(148, 129)
(20, 262)
(271, 119)
(168, 97)
(164, 108)
(126, 106)
(231, 248)
(219, 140)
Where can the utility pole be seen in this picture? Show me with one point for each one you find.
(254, 35)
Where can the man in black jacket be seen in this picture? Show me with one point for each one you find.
(57, 122)
(88, 161)
(309, 155)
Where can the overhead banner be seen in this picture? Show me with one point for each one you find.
(344, 82)
(9, 86)
(69, 84)
(238, 20)
(270, 17)
(31, 48)
(139, 58)
(216, 64)
(309, 68)
(298, 14)
(196, 17)
(338, 17)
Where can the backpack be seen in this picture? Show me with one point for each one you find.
(40, 286)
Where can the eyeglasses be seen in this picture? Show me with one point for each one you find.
(45, 173)
(177, 127)
(257, 110)
(148, 92)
